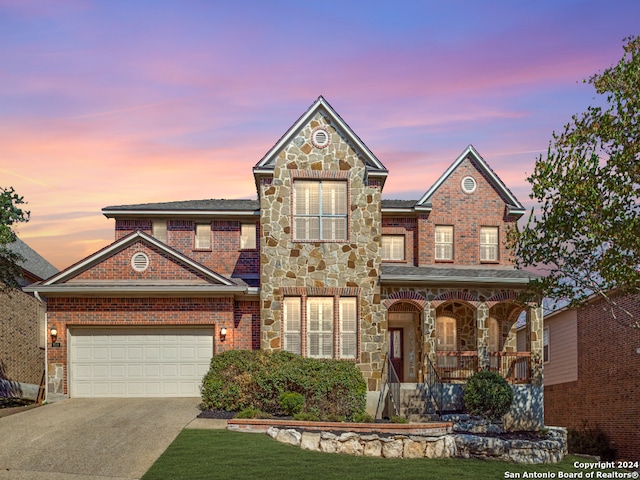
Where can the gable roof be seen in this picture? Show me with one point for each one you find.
(373, 165)
(32, 262)
(58, 283)
(515, 207)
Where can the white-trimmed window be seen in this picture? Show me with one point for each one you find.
(444, 242)
(312, 334)
(393, 247)
(545, 345)
(320, 327)
(203, 236)
(159, 230)
(488, 244)
(248, 235)
(348, 311)
(292, 325)
(320, 210)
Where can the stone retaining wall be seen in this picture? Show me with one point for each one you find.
(550, 450)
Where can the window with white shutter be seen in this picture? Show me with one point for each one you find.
(159, 230)
(292, 325)
(248, 236)
(489, 244)
(320, 327)
(320, 210)
(203, 236)
(348, 327)
(393, 247)
(444, 242)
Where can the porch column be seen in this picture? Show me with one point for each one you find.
(482, 329)
(535, 328)
(429, 334)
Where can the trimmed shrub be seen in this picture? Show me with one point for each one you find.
(291, 402)
(488, 395)
(253, 413)
(239, 379)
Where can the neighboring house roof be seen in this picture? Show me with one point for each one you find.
(188, 207)
(33, 262)
(60, 283)
(455, 274)
(267, 163)
(515, 207)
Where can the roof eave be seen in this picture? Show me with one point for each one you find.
(181, 213)
(441, 279)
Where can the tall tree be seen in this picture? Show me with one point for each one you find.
(585, 234)
(10, 214)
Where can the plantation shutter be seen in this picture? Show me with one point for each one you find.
(348, 327)
(203, 235)
(489, 244)
(248, 235)
(320, 327)
(159, 231)
(292, 324)
(444, 242)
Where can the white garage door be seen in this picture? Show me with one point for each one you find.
(141, 362)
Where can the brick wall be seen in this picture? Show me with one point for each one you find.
(224, 257)
(21, 354)
(467, 213)
(608, 380)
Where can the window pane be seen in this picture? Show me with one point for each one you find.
(489, 243)
(307, 197)
(334, 198)
(203, 236)
(334, 229)
(307, 228)
(393, 247)
(159, 231)
(248, 235)
(291, 318)
(444, 242)
(348, 327)
(320, 326)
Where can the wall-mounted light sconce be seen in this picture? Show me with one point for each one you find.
(223, 333)
(54, 336)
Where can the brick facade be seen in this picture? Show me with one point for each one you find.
(22, 351)
(605, 393)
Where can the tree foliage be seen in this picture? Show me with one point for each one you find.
(10, 214)
(585, 234)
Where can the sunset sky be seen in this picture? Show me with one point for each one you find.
(121, 102)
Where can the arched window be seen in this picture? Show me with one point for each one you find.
(446, 340)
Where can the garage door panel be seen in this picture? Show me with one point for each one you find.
(119, 362)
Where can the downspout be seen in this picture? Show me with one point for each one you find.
(46, 348)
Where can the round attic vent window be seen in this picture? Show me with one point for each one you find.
(139, 262)
(469, 185)
(320, 138)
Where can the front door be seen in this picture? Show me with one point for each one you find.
(395, 351)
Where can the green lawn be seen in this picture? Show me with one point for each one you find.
(217, 454)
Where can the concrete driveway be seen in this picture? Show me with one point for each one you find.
(78, 439)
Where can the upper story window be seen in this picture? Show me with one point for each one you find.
(159, 230)
(203, 236)
(489, 244)
(393, 247)
(320, 210)
(444, 242)
(545, 345)
(248, 235)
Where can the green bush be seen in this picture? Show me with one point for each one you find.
(589, 440)
(253, 413)
(239, 379)
(488, 394)
(291, 402)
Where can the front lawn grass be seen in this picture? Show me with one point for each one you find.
(221, 454)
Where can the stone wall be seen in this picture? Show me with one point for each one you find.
(547, 450)
(327, 268)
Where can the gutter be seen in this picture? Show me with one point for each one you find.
(451, 279)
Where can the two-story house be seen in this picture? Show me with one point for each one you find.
(319, 265)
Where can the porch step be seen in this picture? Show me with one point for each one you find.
(416, 403)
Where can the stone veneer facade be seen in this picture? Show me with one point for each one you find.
(349, 268)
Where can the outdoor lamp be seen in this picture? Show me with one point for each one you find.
(54, 334)
(223, 333)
